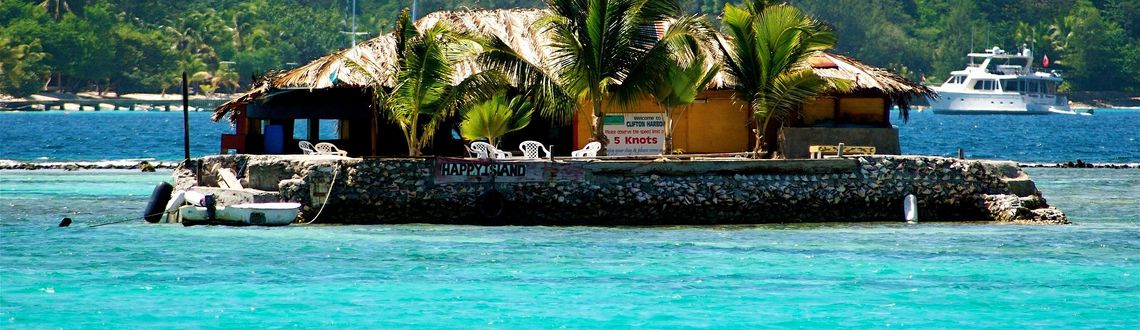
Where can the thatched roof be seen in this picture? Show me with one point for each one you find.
(516, 27)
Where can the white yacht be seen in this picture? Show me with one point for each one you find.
(1000, 83)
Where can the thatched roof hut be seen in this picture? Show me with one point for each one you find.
(518, 28)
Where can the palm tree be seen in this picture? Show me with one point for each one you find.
(422, 96)
(682, 85)
(56, 8)
(766, 51)
(609, 50)
(495, 117)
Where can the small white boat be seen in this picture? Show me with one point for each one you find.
(995, 82)
(251, 214)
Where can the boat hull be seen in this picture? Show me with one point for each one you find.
(949, 102)
(255, 214)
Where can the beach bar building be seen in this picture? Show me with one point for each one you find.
(329, 100)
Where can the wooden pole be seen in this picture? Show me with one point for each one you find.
(185, 118)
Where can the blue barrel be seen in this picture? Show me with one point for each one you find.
(274, 139)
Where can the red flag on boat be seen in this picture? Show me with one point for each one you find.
(1045, 61)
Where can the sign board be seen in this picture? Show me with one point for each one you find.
(458, 170)
(634, 133)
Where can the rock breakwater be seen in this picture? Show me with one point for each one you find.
(716, 191)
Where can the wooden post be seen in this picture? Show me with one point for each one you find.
(185, 118)
(839, 151)
(961, 153)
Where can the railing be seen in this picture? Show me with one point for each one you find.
(114, 104)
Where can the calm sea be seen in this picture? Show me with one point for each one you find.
(879, 275)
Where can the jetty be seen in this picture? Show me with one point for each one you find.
(110, 104)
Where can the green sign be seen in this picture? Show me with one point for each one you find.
(614, 120)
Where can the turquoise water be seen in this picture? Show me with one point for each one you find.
(427, 276)
(1110, 136)
(826, 275)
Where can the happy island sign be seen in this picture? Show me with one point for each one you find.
(457, 170)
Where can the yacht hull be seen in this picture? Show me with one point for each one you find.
(998, 103)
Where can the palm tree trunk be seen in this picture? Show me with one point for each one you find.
(667, 145)
(599, 121)
(759, 130)
(767, 141)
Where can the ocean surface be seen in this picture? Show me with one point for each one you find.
(824, 275)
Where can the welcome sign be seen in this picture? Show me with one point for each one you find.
(457, 170)
(634, 133)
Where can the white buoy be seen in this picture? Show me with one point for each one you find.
(910, 208)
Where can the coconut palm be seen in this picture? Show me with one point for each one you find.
(56, 8)
(423, 95)
(684, 81)
(609, 50)
(766, 51)
(495, 117)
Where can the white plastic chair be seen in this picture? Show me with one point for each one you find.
(306, 147)
(590, 150)
(484, 150)
(325, 148)
(530, 149)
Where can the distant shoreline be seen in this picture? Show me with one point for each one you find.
(90, 101)
(1093, 100)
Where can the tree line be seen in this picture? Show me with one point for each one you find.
(126, 46)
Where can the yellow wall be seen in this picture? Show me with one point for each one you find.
(715, 126)
(864, 110)
(820, 110)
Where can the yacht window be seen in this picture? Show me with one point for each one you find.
(1033, 86)
(1051, 88)
(1010, 85)
(952, 80)
(984, 85)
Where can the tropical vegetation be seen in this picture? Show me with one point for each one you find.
(143, 46)
(766, 51)
(609, 52)
(422, 95)
(682, 84)
(495, 117)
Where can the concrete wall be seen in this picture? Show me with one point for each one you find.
(378, 191)
(796, 140)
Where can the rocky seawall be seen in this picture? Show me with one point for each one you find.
(691, 192)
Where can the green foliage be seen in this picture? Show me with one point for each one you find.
(142, 46)
(604, 52)
(495, 117)
(768, 46)
(1099, 55)
(681, 85)
(20, 67)
(423, 96)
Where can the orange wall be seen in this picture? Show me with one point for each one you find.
(721, 125)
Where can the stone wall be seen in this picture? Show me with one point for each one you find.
(715, 191)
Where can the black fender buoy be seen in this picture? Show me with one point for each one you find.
(491, 204)
(65, 222)
(157, 205)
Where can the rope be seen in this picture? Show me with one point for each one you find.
(336, 170)
(124, 220)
